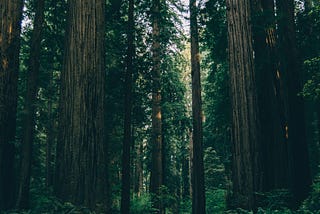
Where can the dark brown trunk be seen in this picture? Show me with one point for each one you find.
(10, 26)
(156, 179)
(198, 189)
(30, 108)
(270, 97)
(247, 175)
(81, 149)
(300, 178)
(190, 162)
(127, 140)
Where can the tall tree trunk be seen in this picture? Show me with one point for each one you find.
(190, 162)
(156, 179)
(30, 108)
(138, 170)
(10, 27)
(50, 131)
(81, 156)
(127, 140)
(270, 97)
(197, 178)
(247, 173)
(291, 68)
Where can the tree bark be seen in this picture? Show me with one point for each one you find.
(198, 188)
(81, 150)
(300, 178)
(10, 27)
(156, 180)
(138, 186)
(30, 108)
(270, 97)
(127, 140)
(247, 173)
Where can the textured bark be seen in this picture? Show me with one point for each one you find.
(198, 189)
(247, 176)
(300, 178)
(30, 108)
(127, 140)
(10, 26)
(270, 97)
(138, 185)
(81, 150)
(156, 179)
(190, 162)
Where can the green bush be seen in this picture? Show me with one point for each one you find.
(277, 199)
(141, 205)
(216, 201)
(312, 203)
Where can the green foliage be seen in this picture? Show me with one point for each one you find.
(277, 199)
(216, 85)
(141, 205)
(215, 201)
(214, 170)
(312, 203)
(311, 89)
(185, 206)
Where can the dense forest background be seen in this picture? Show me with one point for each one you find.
(162, 106)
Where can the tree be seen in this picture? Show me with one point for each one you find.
(10, 26)
(30, 107)
(300, 178)
(246, 137)
(197, 175)
(80, 161)
(157, 168)
(127, 138)
(271, 100)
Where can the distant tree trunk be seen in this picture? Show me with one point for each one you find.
(30, 108)
(138, 170)
(298, 150)
(247, 174)
(156, 179)
(10, 27)
(50, 131)
(51, 134)
(81, 149)
(190, 162)
(198, 189)
(127, 140)
(270, 97)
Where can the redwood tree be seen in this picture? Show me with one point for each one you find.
(156, 180)
(247, 174)
(271, 98)
(300, 179)
(197, 174)
(80, 163)
(127, 139)
(10, 27)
